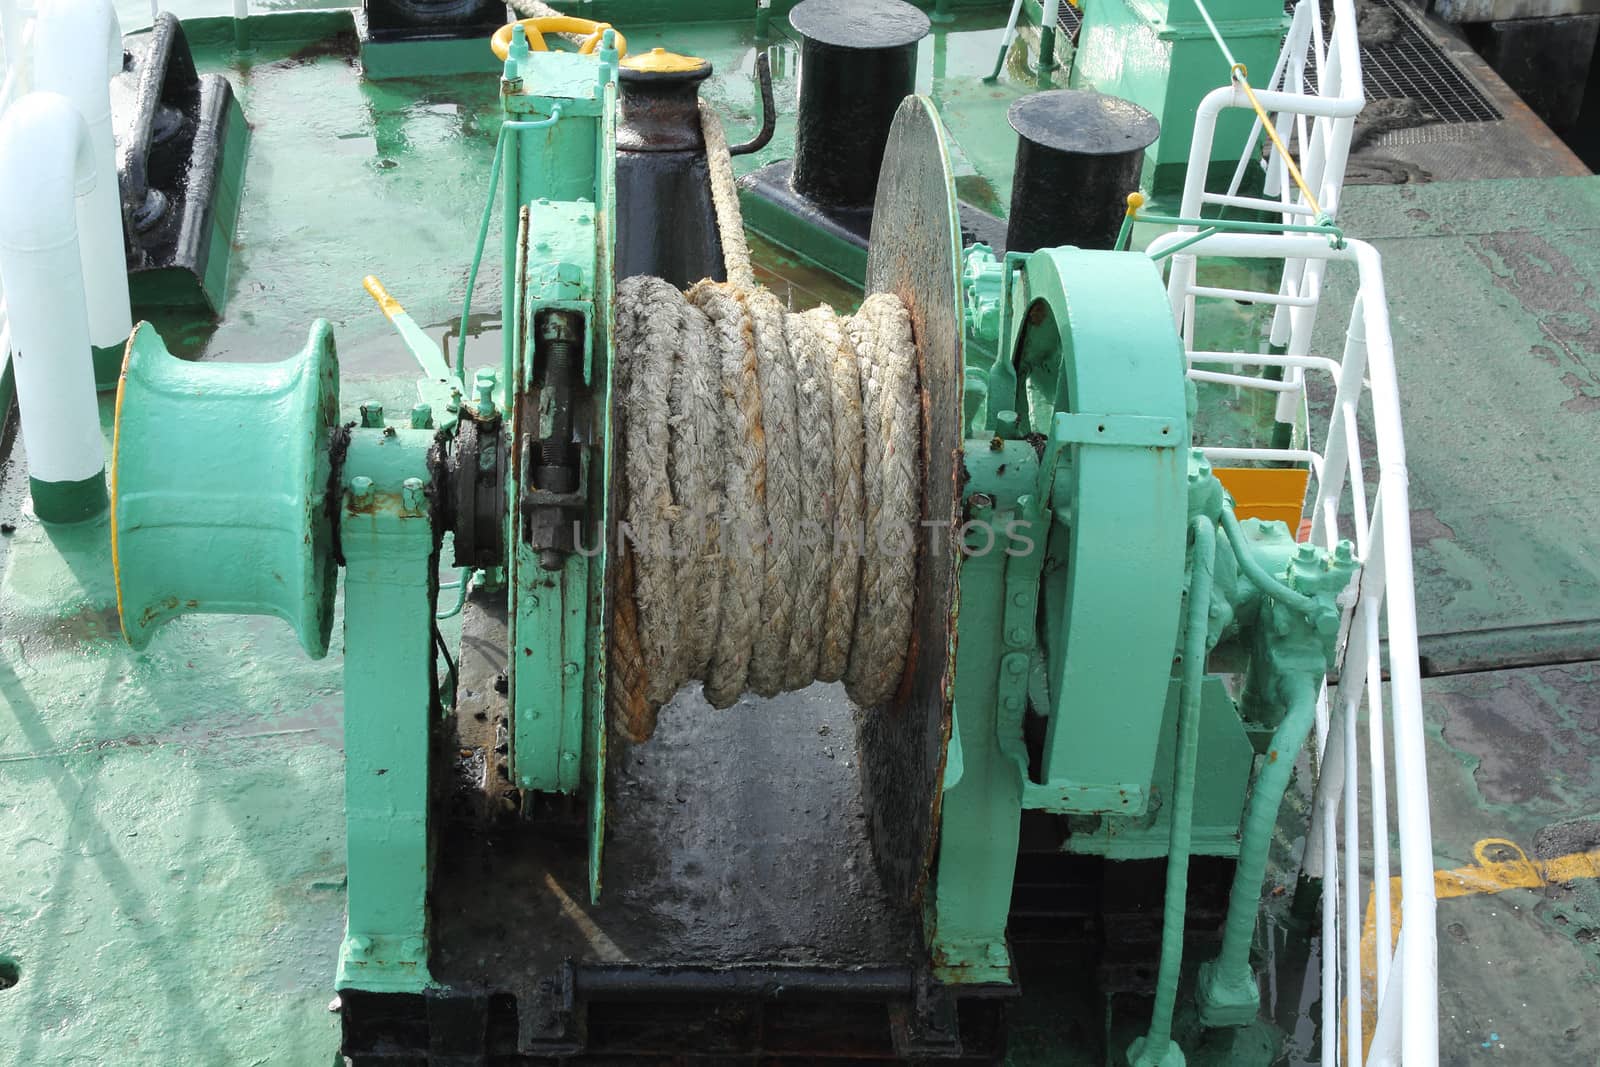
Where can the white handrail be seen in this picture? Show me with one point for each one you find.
(1321, 150)
(1390, 1014)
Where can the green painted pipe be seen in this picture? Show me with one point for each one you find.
(463, 579)
(1185, 243)
(1326, 229)
(1153, 1047)
(1251, 565)
(483, 228)
(1244, 898)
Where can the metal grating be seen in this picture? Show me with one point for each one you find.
(1409, 65)
(1069, 18)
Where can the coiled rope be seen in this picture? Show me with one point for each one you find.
(769, 485)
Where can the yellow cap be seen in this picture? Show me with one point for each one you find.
(661, 61)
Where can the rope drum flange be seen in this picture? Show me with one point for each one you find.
(770, 489)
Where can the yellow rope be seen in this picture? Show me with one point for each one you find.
(1272, 135)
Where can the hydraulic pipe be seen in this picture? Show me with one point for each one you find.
(1152, 1048)
(46, 157)
(1231, 969)
(1251, 565)
(77, 50)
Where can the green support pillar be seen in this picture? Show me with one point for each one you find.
(1161, 55)
(387, 533)
(981, 812)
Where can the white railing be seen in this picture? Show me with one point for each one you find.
(1384, 1008)
(1315, 125)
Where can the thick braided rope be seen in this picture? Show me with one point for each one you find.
(699, 480)
(844, 507)
(650, 327)
(881, 332)
(771, 481)
(780, 492)
(743, 510)
(812, 349)
(725, 201)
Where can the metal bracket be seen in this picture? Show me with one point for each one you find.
(1117, 431)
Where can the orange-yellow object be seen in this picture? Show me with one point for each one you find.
(536, 28)
(661, 61)
(1266, 493)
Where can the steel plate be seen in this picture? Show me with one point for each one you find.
(915, 253)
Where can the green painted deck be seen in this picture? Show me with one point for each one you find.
(174, 819)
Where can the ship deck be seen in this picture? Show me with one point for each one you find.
(174, 818)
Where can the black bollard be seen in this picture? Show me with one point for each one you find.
(666, 224)
(858, 60)
(1079, 155)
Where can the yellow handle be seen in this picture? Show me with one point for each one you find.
(536, 28)
(391, 307)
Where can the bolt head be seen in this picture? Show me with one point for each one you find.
(413, 948)
(360, 946)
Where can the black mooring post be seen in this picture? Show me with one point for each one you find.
(858, 61)
(666, 224)
(1079, 155)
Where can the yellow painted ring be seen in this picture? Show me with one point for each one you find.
(536, 28)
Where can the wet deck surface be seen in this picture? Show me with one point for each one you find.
(173, 819)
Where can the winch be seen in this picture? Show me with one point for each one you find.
(972, 500)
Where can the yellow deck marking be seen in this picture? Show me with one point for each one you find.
(1486, 876)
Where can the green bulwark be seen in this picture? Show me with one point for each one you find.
(1161, 55)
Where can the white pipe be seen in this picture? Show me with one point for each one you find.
(77, 50)
(45, 156)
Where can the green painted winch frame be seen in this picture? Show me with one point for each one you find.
(1129, 575)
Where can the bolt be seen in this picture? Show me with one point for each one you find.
(1305, 552)
(361, 489)
(372, 414)
(1006, 423)
(422, 417)
(569, 757)
(1020, 599)
(1344, 552)
(413, 948)
(483, 384)
(1017, 636)
(455, 400)
(360, 946)
(1013, 703)
(1016, 666)
(411, 495)
(569, 669)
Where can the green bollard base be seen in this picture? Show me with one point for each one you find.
(62, 502)
(1140, 1054)
(1227, 999)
